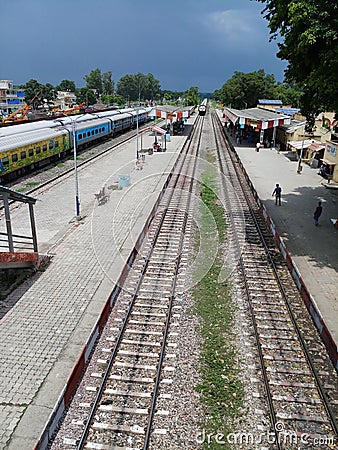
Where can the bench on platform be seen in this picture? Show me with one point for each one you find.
(101, 195)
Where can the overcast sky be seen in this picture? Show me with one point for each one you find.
(183, 43)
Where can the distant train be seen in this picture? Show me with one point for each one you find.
(202, 109)
(26, 147)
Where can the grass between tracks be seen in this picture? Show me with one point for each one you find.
(221, 390)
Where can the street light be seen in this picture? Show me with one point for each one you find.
(137, 152)
(77, 201)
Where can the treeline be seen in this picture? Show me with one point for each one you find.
(243, 90)
(100, 87)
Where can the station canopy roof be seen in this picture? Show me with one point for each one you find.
(14, 195)
(158, 130)
(170, 112)
(256, 117)
(269, 102)
(311, 144)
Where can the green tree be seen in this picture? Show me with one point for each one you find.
(85, 95)
(67, 86)
(33, 88)
(288, 94)
(309, 31)
(48, 93)
(151, 87)
(138, 87)
(192, 97)
(94, 81)
(243, 90)
(107, 84)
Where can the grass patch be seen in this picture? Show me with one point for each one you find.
(32, 183)
(59, 164)
(221, 390)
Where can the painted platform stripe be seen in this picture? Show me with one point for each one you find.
(282, 248)
(74, 377)
(296, 276)
(54, 420)
(317, 318)
(307, 299)
(330, 344)
(91, 343)
(288, 260)
(265, 215)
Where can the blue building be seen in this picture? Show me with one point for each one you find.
(11, 98)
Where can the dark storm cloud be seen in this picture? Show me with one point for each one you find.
(191, 43)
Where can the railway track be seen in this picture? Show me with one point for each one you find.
(132, 364)
(300, 385)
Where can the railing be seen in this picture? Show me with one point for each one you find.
(20, 243)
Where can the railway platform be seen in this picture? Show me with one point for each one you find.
(313, 249)
(54, 313)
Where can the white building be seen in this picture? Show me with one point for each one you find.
(65, 100)
(11, 98)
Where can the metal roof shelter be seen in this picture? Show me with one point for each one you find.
(170, 112)
(21, 251)
(158, 130)
(269, 102)
(288, 111)
(261, 119)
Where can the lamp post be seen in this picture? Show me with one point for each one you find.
(299, 165)
(77, 201)
(137, 152)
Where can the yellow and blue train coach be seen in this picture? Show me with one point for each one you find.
(24, 148)
(23, 152)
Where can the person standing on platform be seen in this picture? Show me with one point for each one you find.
(317, 213)
(277, 192)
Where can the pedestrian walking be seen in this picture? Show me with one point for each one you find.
(317, 213)
(258, 146)
(277, 192)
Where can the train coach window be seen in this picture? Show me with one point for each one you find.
(37, 150)
(79, 136)
(14, 157)
(96, 131)
(56, 144)
(22, 155)
(84, 135)
(51, 145)
(30, 152)
(5, 161)
(44, 147)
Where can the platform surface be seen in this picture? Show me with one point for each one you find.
(314, 249)
(44, 333)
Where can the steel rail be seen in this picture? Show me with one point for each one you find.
(306, 352)
(120, 336)
(159, 367)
